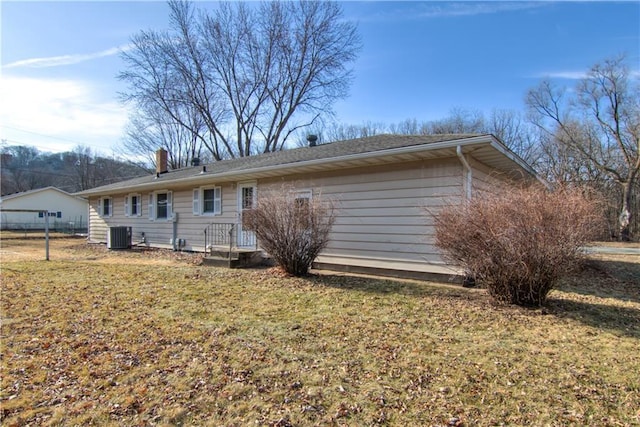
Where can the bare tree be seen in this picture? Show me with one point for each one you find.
(18, 167)
(253, 73)
(146, 132)
(598, 124)
(342, 132)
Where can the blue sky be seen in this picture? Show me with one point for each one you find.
(58, 86)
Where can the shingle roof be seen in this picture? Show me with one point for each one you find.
(335, 150)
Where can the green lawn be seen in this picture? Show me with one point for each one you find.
(153, 338)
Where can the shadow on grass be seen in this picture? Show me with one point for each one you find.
(606, 279)
(383, 285)
(615, 318)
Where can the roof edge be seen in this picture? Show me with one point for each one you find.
(37, 190)
(287, 167)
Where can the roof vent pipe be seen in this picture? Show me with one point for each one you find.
(312, 140)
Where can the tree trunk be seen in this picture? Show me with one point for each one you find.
(624, 220)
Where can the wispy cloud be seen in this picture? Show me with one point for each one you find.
(567, 75)
(61, 109)
(432, 10)
(471, 8)
(57, 61)
(574, 75)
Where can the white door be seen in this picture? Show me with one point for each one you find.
(246, 201)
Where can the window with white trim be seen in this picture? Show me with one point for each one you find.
(302, 197)
(105, 207)
(207, 201)
(133, 205)
(161, 205)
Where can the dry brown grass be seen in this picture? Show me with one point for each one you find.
(152, 338)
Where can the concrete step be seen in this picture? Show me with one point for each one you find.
(238, 259)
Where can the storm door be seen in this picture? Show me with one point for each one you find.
(246, 201)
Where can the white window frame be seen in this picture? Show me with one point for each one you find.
(128, 206)
(101, 212)
(153, 205)
(198, 201)
(305, 193)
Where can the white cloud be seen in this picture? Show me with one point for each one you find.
(575, 75)
(58, 114)
(430, 10)
(568, 75)
(56, 61)
(442, 9)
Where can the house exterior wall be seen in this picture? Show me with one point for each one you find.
(72, 210)
(160, 232)
(382, 213)
(485, 179)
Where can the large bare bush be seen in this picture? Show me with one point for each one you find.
(520, 242)
(292, 230)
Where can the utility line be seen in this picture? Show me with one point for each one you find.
(47, 136)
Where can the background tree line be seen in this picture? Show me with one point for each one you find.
(26, 168)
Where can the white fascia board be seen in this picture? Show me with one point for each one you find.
(484, 139)
(287, 167)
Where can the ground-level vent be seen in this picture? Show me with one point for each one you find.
(119, 238)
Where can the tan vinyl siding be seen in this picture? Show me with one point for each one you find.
(97, 226)
(485, 178)
(159, 232)
(383, 212)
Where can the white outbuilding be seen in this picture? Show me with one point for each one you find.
(65, 210)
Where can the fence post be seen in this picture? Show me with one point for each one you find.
(46, 234)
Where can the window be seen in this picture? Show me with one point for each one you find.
(160, 205)
(302, 197)
(247, 198)
(162, 201)
(133, 205)
(56, 214)
(207, 201)
(105, 207)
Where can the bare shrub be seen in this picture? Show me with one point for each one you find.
(292, 230)
(520, 242)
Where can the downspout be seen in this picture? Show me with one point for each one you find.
(469, 174)
(174, 219)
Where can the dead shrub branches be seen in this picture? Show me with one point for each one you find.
(519, 242)
(293, 230)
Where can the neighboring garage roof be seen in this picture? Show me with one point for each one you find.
(370, 151)
(37, 190)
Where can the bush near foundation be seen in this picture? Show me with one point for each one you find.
(518, 243)
(292, 230)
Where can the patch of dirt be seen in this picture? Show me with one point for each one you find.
(65, 248)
